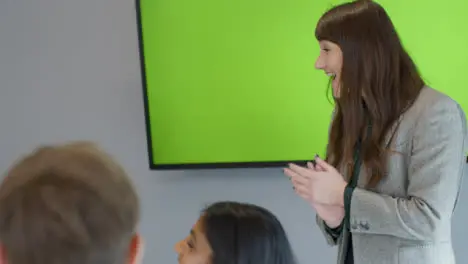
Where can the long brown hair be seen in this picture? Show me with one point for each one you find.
(379, 80)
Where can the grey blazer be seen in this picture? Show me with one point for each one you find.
(406, 219)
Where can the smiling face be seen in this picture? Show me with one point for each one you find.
(195, 248)
(331, 62)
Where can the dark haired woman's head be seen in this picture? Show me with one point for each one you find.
(236, 233)
(373, 79)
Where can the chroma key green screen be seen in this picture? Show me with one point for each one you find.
(232, 83)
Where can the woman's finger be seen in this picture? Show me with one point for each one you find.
(319, 168)
(300, 186)
(302, 191)
(302, 171)
(323, 164)
(315, 167)
(291, 174)
(300, 181)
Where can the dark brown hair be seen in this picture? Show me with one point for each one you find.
(67, 204)
(379, 81)
(243, 233)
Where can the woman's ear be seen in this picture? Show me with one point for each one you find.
(135, 251)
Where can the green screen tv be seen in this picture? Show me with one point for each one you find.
(232, 83)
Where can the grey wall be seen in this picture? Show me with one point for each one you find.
(69, 70)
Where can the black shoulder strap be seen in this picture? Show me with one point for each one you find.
(358, 158)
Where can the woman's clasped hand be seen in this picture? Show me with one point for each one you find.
(322, 186)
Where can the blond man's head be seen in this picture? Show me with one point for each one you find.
(69, 203)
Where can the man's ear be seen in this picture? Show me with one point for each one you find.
(135, 250)
(3, 256)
